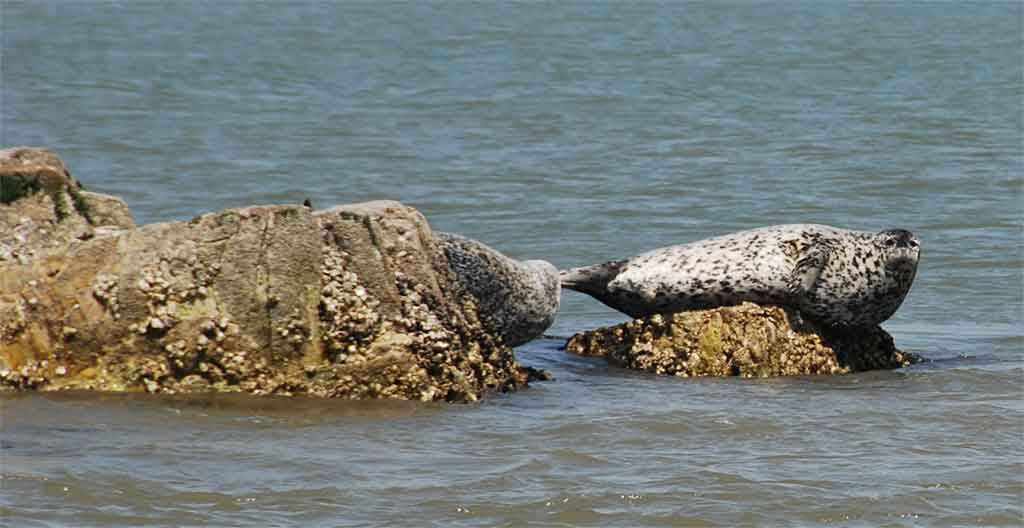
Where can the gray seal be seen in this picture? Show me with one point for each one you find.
(516, 300)
(842, 278)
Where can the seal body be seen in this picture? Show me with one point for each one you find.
(839, 277)
(515, 299)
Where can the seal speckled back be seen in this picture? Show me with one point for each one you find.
(840, 277)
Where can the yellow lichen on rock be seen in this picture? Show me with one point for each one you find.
(747, 340)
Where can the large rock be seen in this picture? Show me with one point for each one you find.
(354, 301)
(747, 340)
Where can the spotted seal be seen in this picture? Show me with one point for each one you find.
(839, 277)
(515, 299)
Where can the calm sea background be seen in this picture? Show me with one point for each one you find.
(576, 133)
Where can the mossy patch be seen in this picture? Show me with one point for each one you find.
(81, 205)
(14, 187)
(25, 181)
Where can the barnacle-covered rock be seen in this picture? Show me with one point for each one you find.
(355, 301)
(747, 340)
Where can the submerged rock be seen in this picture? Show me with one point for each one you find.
(355, 301)
(747, 340)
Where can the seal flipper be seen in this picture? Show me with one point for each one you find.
(592, 280)
(808, 268)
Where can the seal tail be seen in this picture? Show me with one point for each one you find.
(592, 280)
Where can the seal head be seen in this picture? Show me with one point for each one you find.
(902, 248)
(516, 300)
(864, 279)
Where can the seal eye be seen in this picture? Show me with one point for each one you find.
(914, 244)
(890, 242)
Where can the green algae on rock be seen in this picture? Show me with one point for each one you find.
(746, 340)
(27, 171)
(43, 209)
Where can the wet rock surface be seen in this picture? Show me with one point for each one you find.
(747, 340)
(356, 301)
